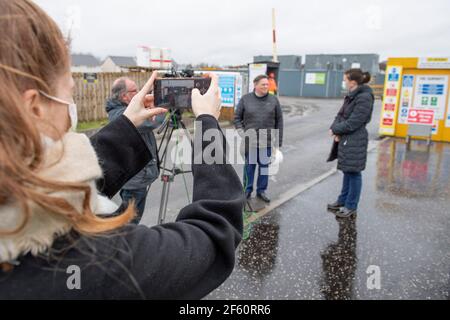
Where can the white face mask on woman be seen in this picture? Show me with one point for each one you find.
(72, 109)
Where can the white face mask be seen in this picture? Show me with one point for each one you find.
(47, 142)
(72, 110)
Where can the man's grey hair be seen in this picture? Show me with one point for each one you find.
(119, 87)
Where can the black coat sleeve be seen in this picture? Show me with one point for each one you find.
(279, 122)
(359, 117)
(336, 120)
(122, 153)
(188, 258)
(239, 115)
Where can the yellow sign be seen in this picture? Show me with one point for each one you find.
(390, 100)
(434, 63)
(424, 84)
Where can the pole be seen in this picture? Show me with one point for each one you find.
(274, 38)
(168, 175)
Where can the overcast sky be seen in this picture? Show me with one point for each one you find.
(233, 31)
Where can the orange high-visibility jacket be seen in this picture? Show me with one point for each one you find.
(272, 85)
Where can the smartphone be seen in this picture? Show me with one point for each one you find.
(176, 92)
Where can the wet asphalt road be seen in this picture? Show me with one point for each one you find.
(302, 251)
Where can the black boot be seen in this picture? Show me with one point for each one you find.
(335, 206)
(248, 195)
(263, 197)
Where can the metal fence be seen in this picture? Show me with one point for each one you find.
(295, 83)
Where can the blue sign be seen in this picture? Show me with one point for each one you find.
(394, 75)
(226, 84)
(408, 81)
(436, 89)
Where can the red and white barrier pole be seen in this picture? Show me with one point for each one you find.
(274, 38)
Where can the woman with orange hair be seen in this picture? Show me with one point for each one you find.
(50, 178)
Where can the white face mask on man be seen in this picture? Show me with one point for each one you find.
(72, 109)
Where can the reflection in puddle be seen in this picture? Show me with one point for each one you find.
(339, 263)
(258, 253)
(417, 172)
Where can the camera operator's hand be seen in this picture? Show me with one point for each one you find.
(209, 103)
(142, 105)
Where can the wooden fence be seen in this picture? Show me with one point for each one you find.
(91, 97)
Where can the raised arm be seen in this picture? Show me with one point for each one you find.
(122, 153)
(191, 257)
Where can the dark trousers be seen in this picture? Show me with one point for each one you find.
(139, 196)
(260, 157)
(351, 190)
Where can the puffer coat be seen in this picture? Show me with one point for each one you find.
(350, 124)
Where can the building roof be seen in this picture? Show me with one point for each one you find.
(85, 60)
(341, 54)
(123, 61)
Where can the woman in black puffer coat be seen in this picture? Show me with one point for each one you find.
(349, 130)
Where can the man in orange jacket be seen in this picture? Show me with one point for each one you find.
(273, 88)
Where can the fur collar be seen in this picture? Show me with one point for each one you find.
(77, 163)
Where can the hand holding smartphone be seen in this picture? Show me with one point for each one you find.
(176, 93)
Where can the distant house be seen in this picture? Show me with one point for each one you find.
(85, 63)
(118, 64)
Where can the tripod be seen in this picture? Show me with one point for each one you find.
(172, 123)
